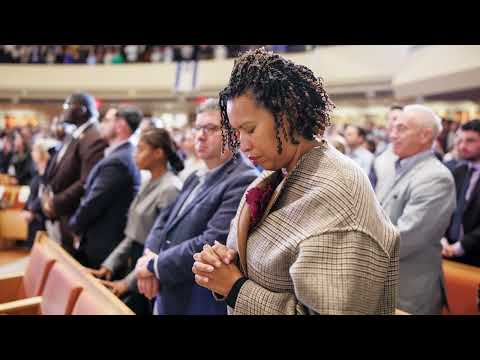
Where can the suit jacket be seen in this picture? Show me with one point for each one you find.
(102, 214)
(152, 198)
(24, 168)
(471, 219)
(175, 238)
(33, 205)
(5, 161)
(67, 177)
(383, 162)
(323, 246)
(420, 203)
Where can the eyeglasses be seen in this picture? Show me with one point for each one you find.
(209, 129)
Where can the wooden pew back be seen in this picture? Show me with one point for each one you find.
(88, 283)
(462, 285)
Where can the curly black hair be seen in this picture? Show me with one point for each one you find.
(289, 91)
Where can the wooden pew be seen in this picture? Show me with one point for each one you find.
(6, 179)
(462, 285)
(12, 225)
(104, 301)
(18, 286)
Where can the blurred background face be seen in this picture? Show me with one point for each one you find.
(407, 136)
(208, 136)
(255, 128)
(146, 156)
(188, 142)
(7, 144)
(391, 118)
(352, 138)
(107, 126)
(469, 145)
(146, 124)
(19, 143)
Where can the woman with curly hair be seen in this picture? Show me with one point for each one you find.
(309, 236)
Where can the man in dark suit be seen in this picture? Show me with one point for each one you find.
(200, 215)
(462, 242)
(111, 186)
(68, 170)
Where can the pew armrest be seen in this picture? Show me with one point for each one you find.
(10, 286)
(29, 306)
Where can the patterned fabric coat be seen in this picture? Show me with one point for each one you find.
(324, 244)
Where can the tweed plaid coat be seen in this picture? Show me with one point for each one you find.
(324, 244)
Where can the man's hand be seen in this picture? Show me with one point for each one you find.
(149, 287)
(47, 205)
(141, 270)
(26, 215)
(147, 283)
(102, 273)
(117, 287)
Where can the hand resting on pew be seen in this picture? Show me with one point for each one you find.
(102, 273)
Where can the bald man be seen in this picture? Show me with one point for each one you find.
(419, 197)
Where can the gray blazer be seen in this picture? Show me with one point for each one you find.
(145, 208)
(420, 203)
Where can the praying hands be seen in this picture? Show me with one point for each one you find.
(215, 268)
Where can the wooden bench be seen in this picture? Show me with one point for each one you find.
(67, 283)
(12, 226)
(462, 286)
(6, 179)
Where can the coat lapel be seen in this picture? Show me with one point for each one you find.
(474, 194)
(179, 203)
(208, 187)
(398, 180)
(243, 220)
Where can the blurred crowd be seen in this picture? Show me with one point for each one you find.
(96, 183)
(370, 139)
(120, 54)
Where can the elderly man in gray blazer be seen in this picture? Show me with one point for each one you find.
(418, 193)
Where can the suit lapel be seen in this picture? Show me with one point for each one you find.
(388, 194)
(57, 165)
(243, 221)
(179, 203)
(473, 195)
(208, 186)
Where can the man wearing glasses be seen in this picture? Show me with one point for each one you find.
(200, 215)
(68, 170)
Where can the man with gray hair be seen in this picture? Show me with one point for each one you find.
(419, 197)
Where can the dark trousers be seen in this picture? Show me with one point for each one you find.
(139, 304)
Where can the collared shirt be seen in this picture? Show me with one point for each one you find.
(402, 166)
(363, 158)
(203, 176)
(75, 135)
(474, 179)
(112, 148)
(81, 129)
(457, 246)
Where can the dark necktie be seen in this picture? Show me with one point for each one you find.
(455, 227)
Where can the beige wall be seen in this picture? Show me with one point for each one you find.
(438, 69)
(344, 69)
